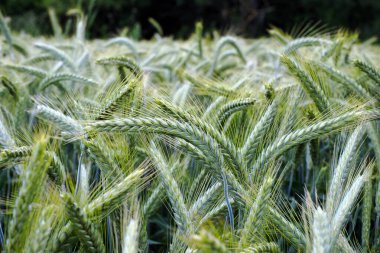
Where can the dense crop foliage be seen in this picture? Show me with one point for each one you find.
(204, 145)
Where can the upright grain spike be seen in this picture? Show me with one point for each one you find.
(341, 170)
(258, 134)
(181, 212)
(256, 212)
(312, 89)
(124, 94)
(32, 182)
(321, 232)
(114, 196)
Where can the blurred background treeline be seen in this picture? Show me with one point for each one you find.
(176, 18)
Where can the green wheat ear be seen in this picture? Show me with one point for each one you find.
(32, 183)
(234, 106)
(122, 62)
(57, 54)
(11, 87)
(312, 89)
(84, 229)
(28, 70)
(219, 46)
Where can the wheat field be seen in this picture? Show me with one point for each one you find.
(211, 144)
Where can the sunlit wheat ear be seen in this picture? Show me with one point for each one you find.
(56, 171)
(369, 70)
(220, 45)
(207, 242)
(207, 86)
(63, 122)
(255, 214)
(371, 73)
(122, 62)
(279, 35)
(312, 88)
(114, 196)
(333, 51)
(321, 232)
(270, 247)
(227, 147)
(43, 231)
(181, 213)
(28, 70)
(341, 170)
(313, 131)
(131, 228)
(185, 131)
(367, 211)
(81, 21)
(343, 78)
(230, 108)
(55, 78)
(292, 233)
(82, 183)
(96, 152)
(158, 193)
(204, 199)
(343, 210)
(14, 155)
(88, 235)
(64, 239)
(57, 54)
(258, 134)
(12, 88)
(121, 96)
(32, 181)
(298, 43)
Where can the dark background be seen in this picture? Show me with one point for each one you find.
(249, 18)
